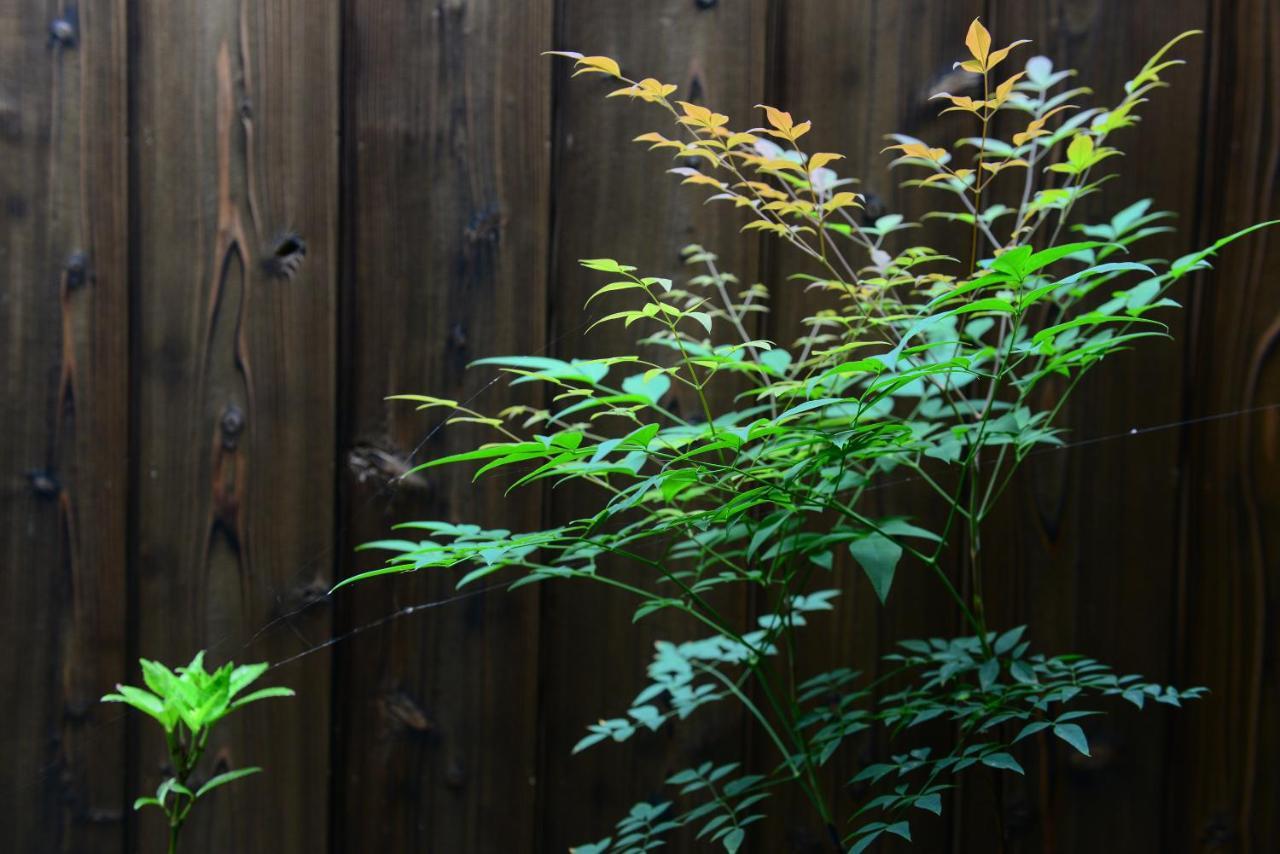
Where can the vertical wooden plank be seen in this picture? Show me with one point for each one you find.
(1225, 781)
(1083, 547)
(235, 127)
(64, 312)
(611, 199)
(891, 58)
(447, 157)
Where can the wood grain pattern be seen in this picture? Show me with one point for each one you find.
(64, 311)
(1222, 753)
(229, 230)
(447, 140)
(236, 149)
(613, 200)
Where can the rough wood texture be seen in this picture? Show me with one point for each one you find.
(235, 135)
(230, 229)
(447, 136)
(64, 311)
(1223, 753)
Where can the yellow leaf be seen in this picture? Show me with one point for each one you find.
(657, 87)
(822, 158)
(690, 151)
(923, 152)
(741, 139)
(699, 178)
(993, 168)
(841, 200)
(997, 55)
(800, 130)
(599, 64)
(781, 163)
(695, 111)
(777, 118)
(959, 102)
(978, 40)
(1006, 88)
(971, 65)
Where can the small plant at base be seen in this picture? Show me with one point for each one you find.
(950, 369)
(187, 702)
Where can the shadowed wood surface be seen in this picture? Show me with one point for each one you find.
(448, 197)
(232, 229)
(235, 156)
(64, 311)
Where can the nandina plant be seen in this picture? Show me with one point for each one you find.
(920, 363)
(187, 702)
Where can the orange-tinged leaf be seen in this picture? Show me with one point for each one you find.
(978, 40)
(777, 118)
(800, 130)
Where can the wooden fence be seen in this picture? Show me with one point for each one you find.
(231, 228)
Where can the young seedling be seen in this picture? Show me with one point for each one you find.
(187, 702)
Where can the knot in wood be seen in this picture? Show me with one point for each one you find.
(44, 484)
(232, 425)
(62, 32)
(285, 256)
(77, 267)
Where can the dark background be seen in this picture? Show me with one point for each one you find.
(229, 229)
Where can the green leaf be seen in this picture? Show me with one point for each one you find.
(930, 803)
(1072, 735)
(733, 839)
(988, 673)
(605, 265)
(1003, 762)
(878, 556)
(263, 694)
(651, 389)
(224, 778)
(901, 828)
(1008, 640)
(614, 286)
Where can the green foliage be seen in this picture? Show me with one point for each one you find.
(187, 702)
(950, 370)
